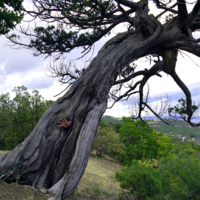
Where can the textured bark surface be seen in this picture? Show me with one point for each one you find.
(55, 158)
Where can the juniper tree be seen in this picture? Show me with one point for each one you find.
(55, 158)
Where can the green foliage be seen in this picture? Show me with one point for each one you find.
(178, 177)
(10, 18)
(128, 70)
(107, 142)
(142, 180)
(181, 109)
(140, 141)
(181, 177)
(189, 148)
(174, 174)
(102, 124)
(108, 119)
(19, 116)
(165, 145)
(169, 16)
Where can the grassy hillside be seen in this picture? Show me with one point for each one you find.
(108, 119)
(98, 182)
(180, 129)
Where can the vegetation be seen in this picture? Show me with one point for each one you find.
(169, 170)
(107, 141)
(143, 181)
(156, 166)
(10, 15)
(180, 128)
(139, 140)
(19, 116)
(109, 119)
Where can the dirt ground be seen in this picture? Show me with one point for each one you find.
(17, 192)
(98, 183)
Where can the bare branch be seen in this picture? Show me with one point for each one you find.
(164, 7)
(158, 116)
(66, 73)
(159, 15)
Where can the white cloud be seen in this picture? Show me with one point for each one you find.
(118, 110)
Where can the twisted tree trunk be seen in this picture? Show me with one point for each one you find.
(55, 158)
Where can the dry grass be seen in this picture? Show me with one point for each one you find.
(100, 176)
(2, 152)
(98, 182)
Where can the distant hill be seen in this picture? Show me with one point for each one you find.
(180, 129)
(107, 119)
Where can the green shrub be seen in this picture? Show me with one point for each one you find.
(141, 180)
(107, 142)
(181, 176)
(139, 139)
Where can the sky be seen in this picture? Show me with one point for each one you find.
(19, 67)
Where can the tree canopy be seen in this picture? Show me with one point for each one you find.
(10, 15)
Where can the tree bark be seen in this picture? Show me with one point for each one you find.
(55, 158)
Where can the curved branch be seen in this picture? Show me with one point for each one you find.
(59, 41)
(138, 73)
(127, 94)
(152, 71)
(129, 4)
(196, 9)
(187, 93)
(187, 45)
(147, 74)
(158, 116)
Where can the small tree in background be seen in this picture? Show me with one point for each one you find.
(107, 142)
(140, 140)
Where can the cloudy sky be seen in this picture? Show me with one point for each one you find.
(19, 67)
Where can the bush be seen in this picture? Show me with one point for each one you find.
(140, 140)
(141, 180)
(181, 176)
(107, 142)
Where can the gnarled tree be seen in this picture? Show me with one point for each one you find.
(55, 158)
